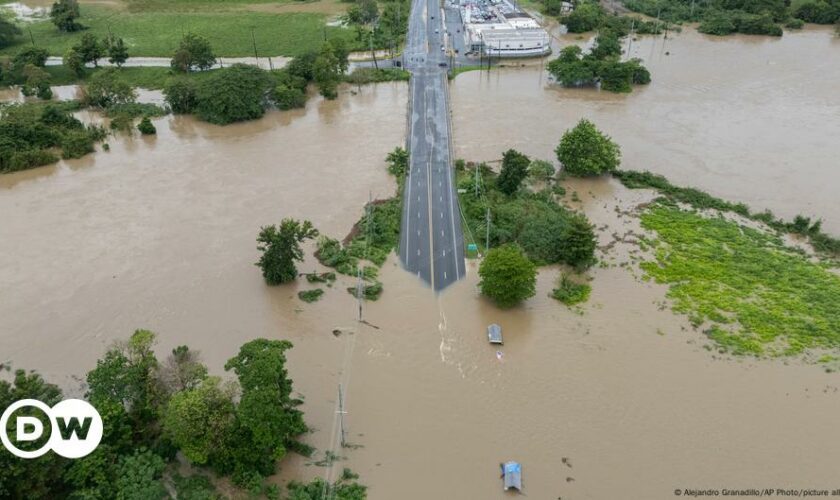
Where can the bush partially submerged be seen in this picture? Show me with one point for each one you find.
(571, 293)
(32, 133)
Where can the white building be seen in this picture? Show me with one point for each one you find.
(498, 29)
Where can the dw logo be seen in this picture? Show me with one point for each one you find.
(75, 428)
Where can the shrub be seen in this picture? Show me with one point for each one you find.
(180, 95)
(571, 293)
(310, 295)
(106, 88)
(285, 97)
(145, 126)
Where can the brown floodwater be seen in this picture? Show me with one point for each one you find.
(751, 119)
(618, 399)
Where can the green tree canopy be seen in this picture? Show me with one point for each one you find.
(587, 16)
(9, 32)
(194, 52)
(514, 171)
(577, 245)
(586, 151)
(507, 276)
(180, 94)
(64, 14)
(280, 249)
(107, 88)
(117, 51)
(90, 49)
(199, 419)
(268, 418)
(233, 94)
(541, 170)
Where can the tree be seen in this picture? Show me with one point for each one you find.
(126, 377)
(281, 248)
(117, 51)
(74, 62)
(9, 32)
(182, 370)
(267, 415)
(577, 246)
(541, 170)
(35, 478)
(180, 95)
(398, 162)
(198, 419)
(507, 276)
(585, 151)
(139, 476)
(90, 48)
(236, 93)
(327, 72)
(107, 88)
(607, 45)
(37, 81)
(194, 51)
(35, 56)
(64, 14)
(514, 171)
(587, 16)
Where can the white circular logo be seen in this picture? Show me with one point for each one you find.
(75, 428)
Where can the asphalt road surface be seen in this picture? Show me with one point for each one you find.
(431, 243)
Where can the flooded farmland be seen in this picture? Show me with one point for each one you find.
(621, 401)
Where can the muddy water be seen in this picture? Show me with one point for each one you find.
(159, 233)
(752, 119)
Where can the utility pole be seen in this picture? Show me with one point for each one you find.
(254, 41)
(31, 38)
(487, 237)
(630, 44)
(477, 168)
(376, 64)
(341, 414)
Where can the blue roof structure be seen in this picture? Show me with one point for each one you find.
(512, 473)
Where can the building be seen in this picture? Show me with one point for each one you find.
(497, 28)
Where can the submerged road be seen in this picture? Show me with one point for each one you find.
(431, 241)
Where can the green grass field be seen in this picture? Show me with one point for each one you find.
(157, 33)
(756, 295)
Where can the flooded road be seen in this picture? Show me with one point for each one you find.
(751, 119)
(621, 401)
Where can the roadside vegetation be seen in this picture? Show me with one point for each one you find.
(525, 226)
(154, 409)
(372, 239)
(601, 66)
